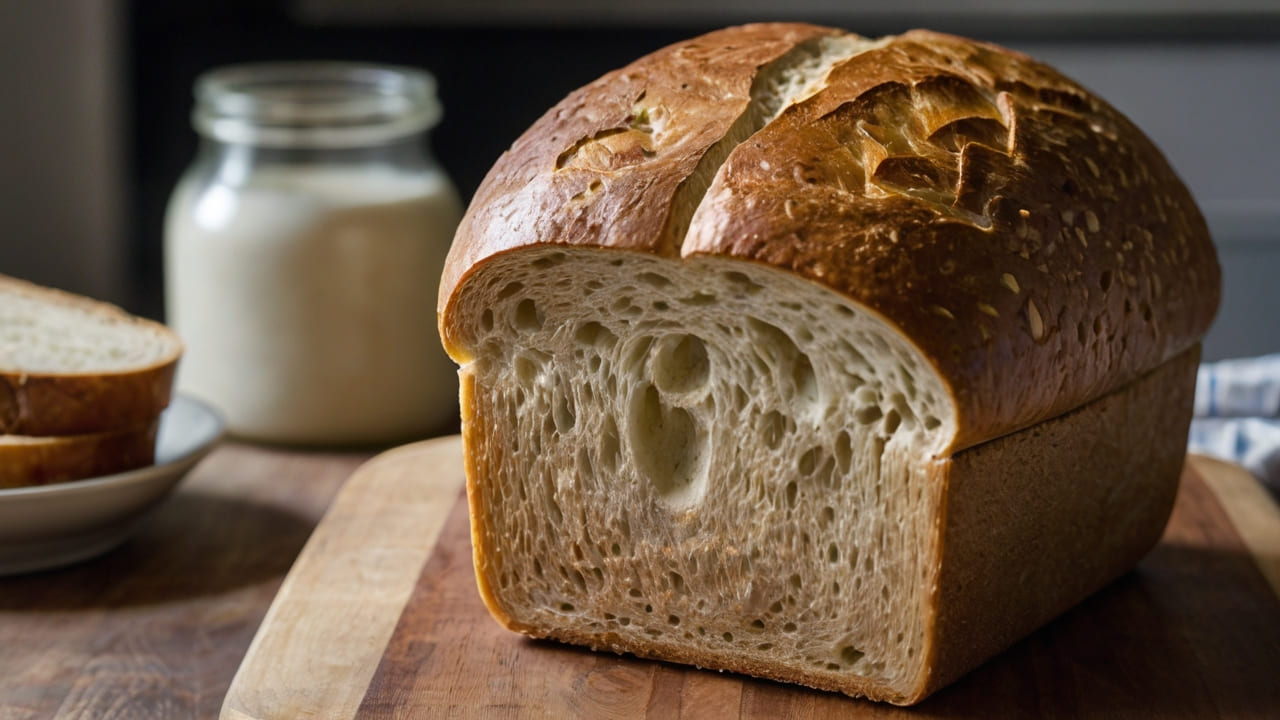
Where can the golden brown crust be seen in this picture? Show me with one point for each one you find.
(591, 171)
(1033, 242)
(1036, 521)
(44, 404)
(41, 405)
(29, 461)
(1036, 244)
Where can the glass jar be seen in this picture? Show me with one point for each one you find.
(303, 252)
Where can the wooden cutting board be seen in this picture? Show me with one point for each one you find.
(379, 618)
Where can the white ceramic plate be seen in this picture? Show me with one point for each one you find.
(51, 525)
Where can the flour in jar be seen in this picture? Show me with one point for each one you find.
(306, 297)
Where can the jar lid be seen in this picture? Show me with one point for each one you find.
(314, 104)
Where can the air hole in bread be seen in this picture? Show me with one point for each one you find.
(563, 416)
(826, 517)
(594, 334)
(773, 427)
(668, 446)
(677, 582)
(699, 298)
(549, 260)
(527, 371)
(681, 364)
(809, 461)
(805, 382)
(849, 655)
(653, 279)
(510, 289)
(742, 283)
(528, 317)
(868, 414)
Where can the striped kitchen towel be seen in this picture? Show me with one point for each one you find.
(1237, 414)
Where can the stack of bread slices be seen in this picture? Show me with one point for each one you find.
(82, 386)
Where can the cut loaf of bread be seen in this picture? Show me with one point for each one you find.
(829, 360)
(74, 366)
(27, 461)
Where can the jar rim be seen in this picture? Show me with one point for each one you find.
(322, 104)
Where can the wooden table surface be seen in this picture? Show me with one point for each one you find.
(158, 627)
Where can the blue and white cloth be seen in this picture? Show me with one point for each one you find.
(1237, 414)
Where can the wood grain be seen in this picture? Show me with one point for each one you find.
(1194, 632)
(157, 627)
(1249, 508)
(325, 634)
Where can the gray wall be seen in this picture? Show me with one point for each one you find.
(1214, 109)
(61, 176)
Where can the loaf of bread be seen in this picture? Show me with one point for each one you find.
(82, 385)
(837, 361)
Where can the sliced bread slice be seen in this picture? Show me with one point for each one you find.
(70, 365)
(27, 461)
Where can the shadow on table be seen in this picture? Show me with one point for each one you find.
(1164, 641)
(1193, 632)
(195, 544)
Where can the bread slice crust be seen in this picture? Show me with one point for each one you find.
(27, 461)
(43, 403)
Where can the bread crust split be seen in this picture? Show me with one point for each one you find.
(901, 332)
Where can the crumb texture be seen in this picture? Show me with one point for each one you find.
(42, 331)
(669, 462)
